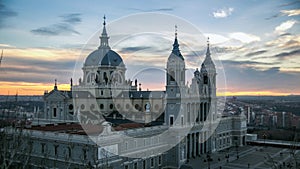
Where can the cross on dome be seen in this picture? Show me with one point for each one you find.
(104, 23)
(207, 41)
(175, 31)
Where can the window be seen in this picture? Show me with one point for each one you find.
(105, 77)
(43, 147)
(144, 164)
(54, 112)
(135, 143)
(84, 153)
(205, 79)
(69, 152)
(182, 122)
(101, 106)
(92, 107)
(55, 150)
(137, 107)
(118, 106)
(71, 107)
(88, 79)
(101, 92)
(152, 162)
(172, 76)
(171, 120)
(135, 165)
(159, 160)
(126, 167)
(111, 106)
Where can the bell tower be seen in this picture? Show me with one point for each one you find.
(208, 75)
(175, 82)
(208, 86)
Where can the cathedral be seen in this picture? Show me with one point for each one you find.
(104, 89)
(104, 95)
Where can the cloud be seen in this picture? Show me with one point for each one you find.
(152, 10)
(134, 49)
(244, 37)
(285, 42)
(293, 12)
(223, 13)
(5, 46)
(73, 18)
(285, 26)
(5, 13)
(56, 29)
(216, 38)
(37, 65)
(286, 34)
(274, 16)
(256, 53)
(64, 28)
(245, 63)
(289, 3)
(285, 55)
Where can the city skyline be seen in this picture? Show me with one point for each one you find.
(257, 43)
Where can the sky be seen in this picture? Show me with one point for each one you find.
(254, 43)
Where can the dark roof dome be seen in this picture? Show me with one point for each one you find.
(104, 57)
(112, 59)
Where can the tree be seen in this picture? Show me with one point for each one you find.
(16, 148)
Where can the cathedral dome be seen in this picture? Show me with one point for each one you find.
(104, 57)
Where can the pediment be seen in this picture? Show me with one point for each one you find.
(55, 95)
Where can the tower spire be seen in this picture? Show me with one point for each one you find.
(104, 37)
(175, 49)
(208, 50)
(208, 64)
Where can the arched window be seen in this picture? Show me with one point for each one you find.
(101, 106)
(205, 79)
(89, 78)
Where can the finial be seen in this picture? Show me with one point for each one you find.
(104, 23)
(55, 84)
(175, 31)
